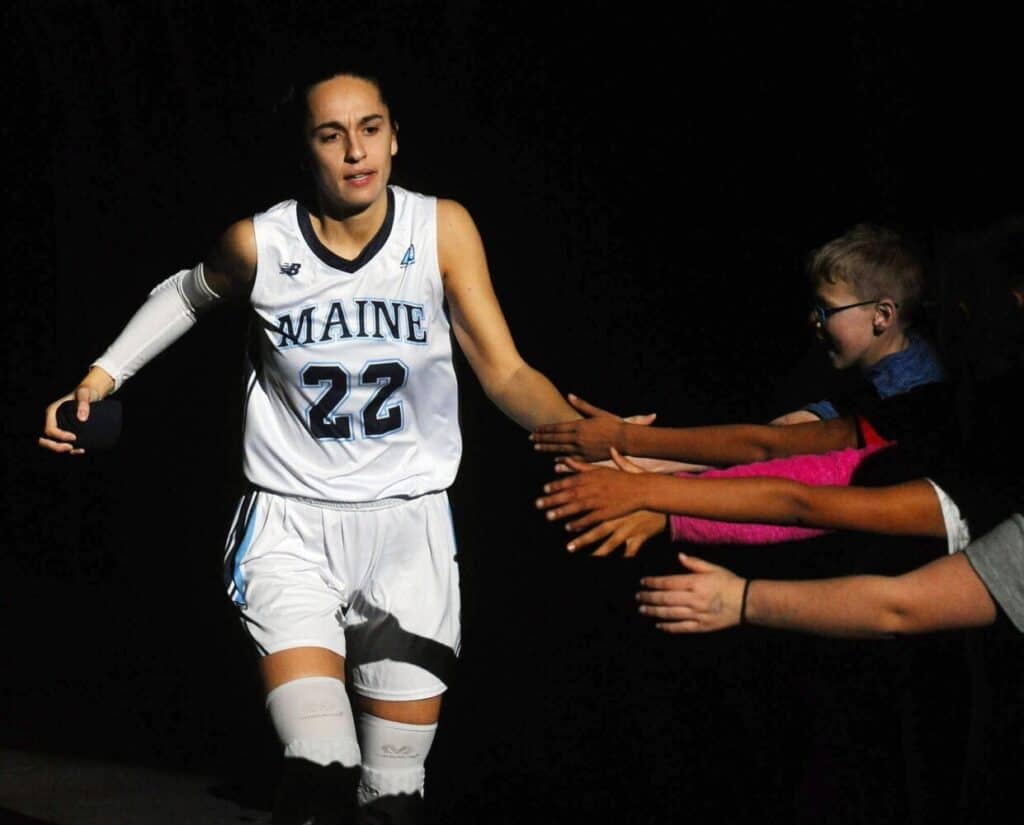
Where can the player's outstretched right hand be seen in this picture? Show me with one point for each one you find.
(94, 387)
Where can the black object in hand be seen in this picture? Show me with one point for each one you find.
(100, 431)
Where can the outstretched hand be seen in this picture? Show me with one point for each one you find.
(707, 598)
(630, 531)
(589, 438)
(598, 493)
(591, 411)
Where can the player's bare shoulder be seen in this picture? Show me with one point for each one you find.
(230, 267)
(459, 247)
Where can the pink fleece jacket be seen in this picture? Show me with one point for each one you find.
(829, 469)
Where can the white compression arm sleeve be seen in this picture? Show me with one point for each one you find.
(169, 312)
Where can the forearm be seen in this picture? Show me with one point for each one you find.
(174, 305)
(905, 509)
(528, 397)
(736, 443)
(831, 469)
(855, 606)
(168, 313)
(943, 594)
(761, 500)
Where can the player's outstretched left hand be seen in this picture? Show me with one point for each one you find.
(705, 599)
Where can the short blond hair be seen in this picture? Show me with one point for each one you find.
(873, 261)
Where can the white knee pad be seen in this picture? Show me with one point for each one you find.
(393, 757)
(313, 719)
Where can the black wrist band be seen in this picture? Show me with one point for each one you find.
(743, 602)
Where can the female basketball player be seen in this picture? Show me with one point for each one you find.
(341, 556)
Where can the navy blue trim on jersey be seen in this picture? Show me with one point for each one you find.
(336, 261)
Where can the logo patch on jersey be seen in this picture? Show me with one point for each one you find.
(290, 270)
(409, 257)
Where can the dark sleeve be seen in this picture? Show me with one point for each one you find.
(984, 495)
(923, 414)
(922, 424)
(984, 476)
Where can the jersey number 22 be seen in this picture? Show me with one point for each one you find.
(323, 418)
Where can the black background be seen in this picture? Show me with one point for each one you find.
(647, 180)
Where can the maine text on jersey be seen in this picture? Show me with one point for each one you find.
(365, 318)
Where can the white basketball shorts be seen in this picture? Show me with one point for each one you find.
(375, 582)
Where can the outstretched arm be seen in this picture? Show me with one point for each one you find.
(591, 439)
(653, 465)
(521, 392)
(833, 469)
(170, 311)
(944, 594)
(593, 495)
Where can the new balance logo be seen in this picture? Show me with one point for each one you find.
(290, 269)
(409, 257)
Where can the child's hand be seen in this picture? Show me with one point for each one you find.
(590, 411)
(663, 466)
(631, 530)
(706, 599)
(599, 493)
(589, 438)
(795, 417)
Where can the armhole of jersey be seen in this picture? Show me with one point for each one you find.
(437, 242)
(431, 202)
(257, 219)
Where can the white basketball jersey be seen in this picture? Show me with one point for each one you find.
(352, 393)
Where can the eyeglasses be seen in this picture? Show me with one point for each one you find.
(822, 313)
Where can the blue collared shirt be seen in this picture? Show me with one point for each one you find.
(895, 374)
